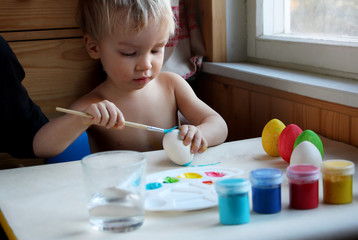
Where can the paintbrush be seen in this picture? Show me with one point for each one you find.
(126, 123)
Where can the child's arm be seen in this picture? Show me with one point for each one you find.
(208, 127)
(54, 137)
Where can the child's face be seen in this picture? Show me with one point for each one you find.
(133, 59)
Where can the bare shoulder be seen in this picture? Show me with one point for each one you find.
(86, 100)
(171, 78)
(169, 74)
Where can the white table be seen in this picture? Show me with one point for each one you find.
(47, 202)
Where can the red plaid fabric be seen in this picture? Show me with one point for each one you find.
(185, 50)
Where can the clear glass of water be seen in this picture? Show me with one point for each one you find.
(115, 186)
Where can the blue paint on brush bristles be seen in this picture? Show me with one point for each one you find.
(170, 130)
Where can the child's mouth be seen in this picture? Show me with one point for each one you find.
(142, 81)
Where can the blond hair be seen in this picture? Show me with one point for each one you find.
(100, 18)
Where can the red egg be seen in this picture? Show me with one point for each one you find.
(287, 140)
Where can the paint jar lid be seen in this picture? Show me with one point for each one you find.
(338, 167)
(303, 172)
(232, 186)
(266, 177)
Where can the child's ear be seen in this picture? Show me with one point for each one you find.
(91, 46)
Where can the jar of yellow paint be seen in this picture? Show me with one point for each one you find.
(337, 181)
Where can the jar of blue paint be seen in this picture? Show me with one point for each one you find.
(266, 190)
(233, 196)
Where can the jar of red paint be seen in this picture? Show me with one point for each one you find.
(303, 186)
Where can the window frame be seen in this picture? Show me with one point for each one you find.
(322, 56)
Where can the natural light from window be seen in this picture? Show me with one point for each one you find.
(317, 35)
(327, 19)
(333, 20)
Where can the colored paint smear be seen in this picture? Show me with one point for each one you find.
(153, 185)
(208, 182)
(190, 175)
(215, 174)
(205, 165)
(170, 180)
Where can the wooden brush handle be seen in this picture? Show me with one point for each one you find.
(136, 125)
(127, 123)
(74, 112)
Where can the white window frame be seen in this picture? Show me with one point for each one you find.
(321, 55)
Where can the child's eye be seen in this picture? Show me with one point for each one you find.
(156, 51)
(128, 54)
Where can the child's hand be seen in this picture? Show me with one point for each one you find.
(106, 114)
(191, 134)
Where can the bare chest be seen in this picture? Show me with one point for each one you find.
(155, 109)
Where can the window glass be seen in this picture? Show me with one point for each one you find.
(324, 18)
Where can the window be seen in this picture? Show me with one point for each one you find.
(333, 19)
(319, 35)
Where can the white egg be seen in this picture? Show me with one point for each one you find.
(175, 148)
(306, 153)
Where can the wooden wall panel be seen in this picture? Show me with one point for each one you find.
(57, 71)
(42, 34)
(48, 43)
(260, 106)
(334, 121)
(354, 131)
(298, 114)
(212, 89)
(335, 125)
(239, 119)
(212, 14)
(282, 109)
(312, 116)
(19, 15)
(307, 117)
(223, 99)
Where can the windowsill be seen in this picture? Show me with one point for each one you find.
(327, 88)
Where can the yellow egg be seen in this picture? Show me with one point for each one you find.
(270, 136)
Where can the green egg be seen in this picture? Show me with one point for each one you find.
(310, 136)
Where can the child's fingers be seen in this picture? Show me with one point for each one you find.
(203, 146)
(116, 118)
(120, 120)
(182, 131)
(189, 136)
(94, 111)
(104, 115)
(196, 143)
(113, 117)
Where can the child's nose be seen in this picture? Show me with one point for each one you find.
(144, 63)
